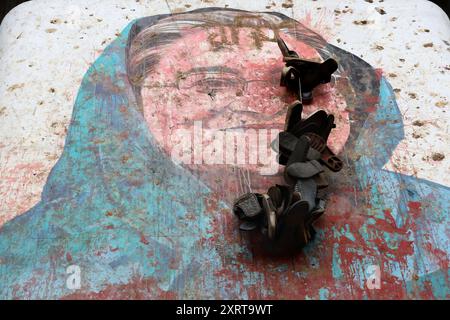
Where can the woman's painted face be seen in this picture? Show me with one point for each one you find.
(221, 82)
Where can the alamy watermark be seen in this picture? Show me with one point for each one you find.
(73, 281)
(233, 146)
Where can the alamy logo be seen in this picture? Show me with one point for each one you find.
(373, 277)
(73, 282)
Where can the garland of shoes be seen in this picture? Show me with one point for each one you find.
(285, 214)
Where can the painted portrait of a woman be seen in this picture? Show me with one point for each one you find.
(140, 200)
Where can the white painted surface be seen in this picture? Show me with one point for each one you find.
(47, 44)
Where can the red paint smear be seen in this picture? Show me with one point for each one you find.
(427, 292)
(370, 109)
(16, 189)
